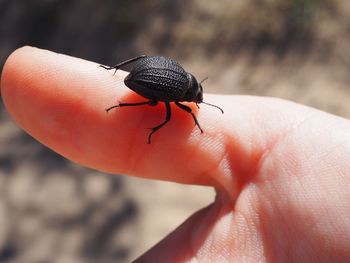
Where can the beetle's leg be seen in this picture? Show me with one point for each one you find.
(150, 102)
(122, 63)
(167, 118)
(189, 110)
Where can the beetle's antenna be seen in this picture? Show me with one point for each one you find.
(222, 111)
(203, 80)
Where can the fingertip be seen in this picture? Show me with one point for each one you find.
(9, 70)
(16, 80)
(61, 100)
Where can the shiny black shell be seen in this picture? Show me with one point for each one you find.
(159, 78)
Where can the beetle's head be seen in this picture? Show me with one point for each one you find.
(199, 97)
(195, 90)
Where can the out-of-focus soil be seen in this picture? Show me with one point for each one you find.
(52, 210)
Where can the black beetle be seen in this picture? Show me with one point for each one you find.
(158, 78)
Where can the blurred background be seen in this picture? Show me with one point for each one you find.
(52, 210)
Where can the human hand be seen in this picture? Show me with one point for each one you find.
(280, 170)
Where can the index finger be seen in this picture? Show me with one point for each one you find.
(61, 101)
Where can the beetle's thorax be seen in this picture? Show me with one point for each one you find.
(194, 92)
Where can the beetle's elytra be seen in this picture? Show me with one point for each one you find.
(158, 78)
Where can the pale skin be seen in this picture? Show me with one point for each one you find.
(281, 170)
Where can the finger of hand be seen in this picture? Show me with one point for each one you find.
(61, 101)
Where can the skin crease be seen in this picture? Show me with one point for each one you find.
(280, 169)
